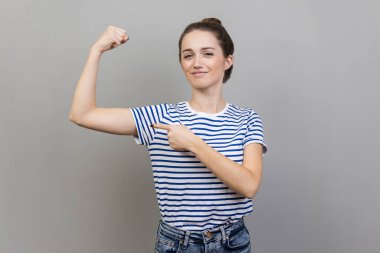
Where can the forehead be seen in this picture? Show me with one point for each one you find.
(199, 39)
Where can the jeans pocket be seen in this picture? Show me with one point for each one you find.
(165, 244)
(239, 240)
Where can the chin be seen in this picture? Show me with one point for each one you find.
(201, 83)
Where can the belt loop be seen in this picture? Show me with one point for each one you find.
(223, 235)
(186, 241)
(159, 226)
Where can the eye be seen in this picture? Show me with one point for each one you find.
(187, 56)
(209, 54)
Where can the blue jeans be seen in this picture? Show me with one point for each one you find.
(231, 237)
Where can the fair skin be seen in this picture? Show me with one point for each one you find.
(203, 64)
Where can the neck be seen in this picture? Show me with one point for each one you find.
(208, 104)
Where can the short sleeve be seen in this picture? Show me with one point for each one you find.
(255, 132)
(144, 117)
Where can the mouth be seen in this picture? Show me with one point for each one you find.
(199, 73)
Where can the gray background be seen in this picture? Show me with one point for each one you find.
(309, 68)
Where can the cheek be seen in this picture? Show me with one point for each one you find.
(218, 64)
(223, 66)
(185, 66)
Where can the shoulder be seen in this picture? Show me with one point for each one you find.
(164, 106)
(158, 110)
(177, 107)
(242, 111)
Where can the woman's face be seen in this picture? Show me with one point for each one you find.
(202, 59)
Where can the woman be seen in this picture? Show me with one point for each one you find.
(206, 153)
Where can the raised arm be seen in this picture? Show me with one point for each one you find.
(84, 111)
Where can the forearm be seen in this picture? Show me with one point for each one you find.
(85, 94)
(234, 175)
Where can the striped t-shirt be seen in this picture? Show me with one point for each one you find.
(190, 196)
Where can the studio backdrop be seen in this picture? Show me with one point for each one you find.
(309, 68)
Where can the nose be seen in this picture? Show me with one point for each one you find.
(197, 62)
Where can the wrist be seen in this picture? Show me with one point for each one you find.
(196, 145)
(94, 50)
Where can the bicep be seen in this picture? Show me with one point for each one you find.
(110, 120)
(253, 158)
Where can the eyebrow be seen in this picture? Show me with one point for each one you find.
(203, 48)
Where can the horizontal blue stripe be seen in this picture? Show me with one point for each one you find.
(223, 124)
(166, 177)
(204, 216)
(191, 118)
(161, 144)
(178, 166)
(208, 129)
(230, 135)
(226, 142)
(197, 194)
(209, 142)
(164, 149)
(181, 172)
(206, 211)
(205, 205)
(252, 139)
(212, 137)
(179, 155)
(255, 134)
(226, 146)
(191, 200)
(227, 139)
(183, 156)
(173, 161)
(188, 183)
(190, 189)
(187, 221)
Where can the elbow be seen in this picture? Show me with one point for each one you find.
(74, 119)
(250, 193)
(251, 187)
(78, 116)
(71, 118)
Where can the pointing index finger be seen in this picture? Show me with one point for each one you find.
(160, 126)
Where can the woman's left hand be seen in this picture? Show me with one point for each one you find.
(180, 137)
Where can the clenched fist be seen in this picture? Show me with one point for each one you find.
(111, 38)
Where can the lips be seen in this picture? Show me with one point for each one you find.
(199, 73)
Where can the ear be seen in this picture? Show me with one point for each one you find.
(228, 62)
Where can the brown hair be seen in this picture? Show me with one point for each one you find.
(215, 26)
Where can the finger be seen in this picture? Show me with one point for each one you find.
(125, 39)
(115, 44)
(117, 40)
(117, 36)
(161, 126)
(121, 33)
(121, 30)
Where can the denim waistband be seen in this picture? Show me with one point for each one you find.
(213, 234)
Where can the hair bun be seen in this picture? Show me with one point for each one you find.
(212, 20)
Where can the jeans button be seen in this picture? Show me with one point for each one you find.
(208, 234)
